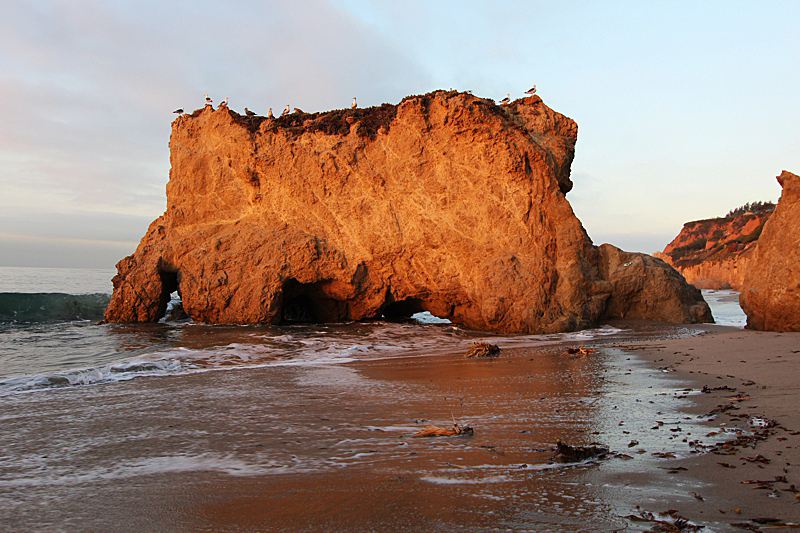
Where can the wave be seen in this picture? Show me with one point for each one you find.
(32, 308)
(321, 346)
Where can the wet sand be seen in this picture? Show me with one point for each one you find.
(753, 384)
(330, 447)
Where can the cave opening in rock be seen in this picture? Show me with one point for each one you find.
(169, 285)
(308, 303)
(411, 309)
(403, 309)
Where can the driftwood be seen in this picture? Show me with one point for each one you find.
(433, 431)
(574, 454)
(580, 350)
(482, 349)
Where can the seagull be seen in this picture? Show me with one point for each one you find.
(178, 111)
(208, 100)
(225, 102)
(249, 113)
(506, 100)
(285, 111)
(269, 113)
(298, 110)
(531, 91)
(354, 104)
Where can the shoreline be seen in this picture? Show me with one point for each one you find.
(331, 447)
(748, 460)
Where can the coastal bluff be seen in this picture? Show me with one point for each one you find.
(714, 253)
(445, 202)
(770, 295)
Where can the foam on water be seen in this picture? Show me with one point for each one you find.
(50, 341)
(256, 347)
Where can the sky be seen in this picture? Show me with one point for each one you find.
(685, 109)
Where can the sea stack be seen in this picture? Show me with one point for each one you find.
(770, 295)
(445, 203)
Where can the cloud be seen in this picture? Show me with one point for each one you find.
(89, 89)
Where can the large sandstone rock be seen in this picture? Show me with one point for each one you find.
(446, 203)
(771, 291)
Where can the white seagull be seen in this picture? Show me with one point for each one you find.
(208, 100)
(269, 113)
(285, 111)
(531, 91)
(506, 100)
(225, 102)
(354, 104)
(178, 112)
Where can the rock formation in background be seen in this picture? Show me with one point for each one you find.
(445, 202)
(714, 253)
(770, 295)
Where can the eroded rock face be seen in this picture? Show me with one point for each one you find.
(770, 294)
(714, 253)
(446, 203)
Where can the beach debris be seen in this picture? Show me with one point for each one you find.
(664, 455)
(580, 350)
(482, 349)
(740, 397)
(564, 453)
(706, 389)
(434, 431)
(678, 524)
(761, 524)
(757, 459)
(697, 496)
(721, 409)
(762, 423)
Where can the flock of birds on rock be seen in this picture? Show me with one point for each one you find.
(507, 99)
(354, 105)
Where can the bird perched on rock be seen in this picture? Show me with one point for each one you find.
(269, 113)
(531, 91)
(298, 110)
(285, 111)
(249, 113)
(178, 112)
(208, 100)
(224, 102)
(506, 100)
(354, 104)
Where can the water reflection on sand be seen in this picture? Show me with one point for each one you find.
(329, 447)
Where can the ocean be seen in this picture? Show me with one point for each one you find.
(187, 427)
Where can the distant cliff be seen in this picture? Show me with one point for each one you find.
(446, 203)
(770, 295)
(714, 253)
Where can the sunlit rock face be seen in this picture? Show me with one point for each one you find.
(714, 253)
(771, 291)
(446, 203)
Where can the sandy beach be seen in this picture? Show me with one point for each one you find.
(753, 392)
(330, 447)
